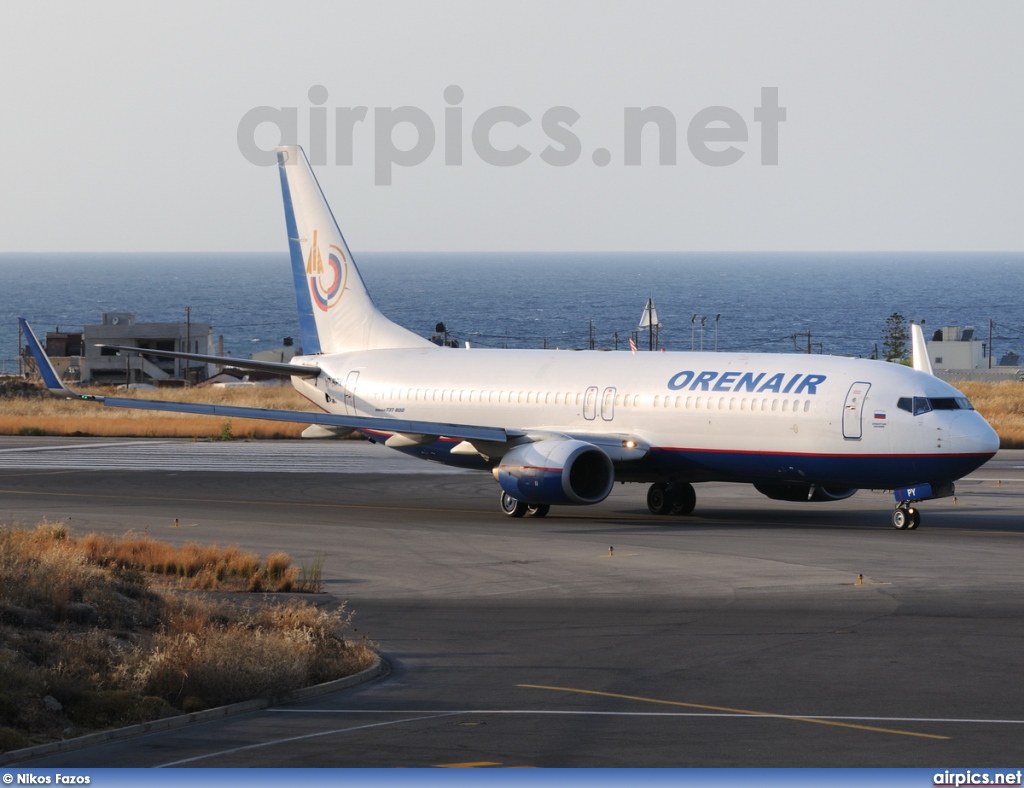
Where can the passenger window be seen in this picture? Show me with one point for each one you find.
(807, 405)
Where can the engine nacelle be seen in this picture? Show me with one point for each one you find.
(802, 491)
(556, 472)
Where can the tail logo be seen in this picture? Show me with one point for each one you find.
(326, 283)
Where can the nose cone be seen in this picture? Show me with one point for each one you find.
(973, 435)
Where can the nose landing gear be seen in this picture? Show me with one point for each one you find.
(905, 517)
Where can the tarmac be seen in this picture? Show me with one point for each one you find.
(752, 633)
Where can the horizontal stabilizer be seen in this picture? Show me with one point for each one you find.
(270, 367)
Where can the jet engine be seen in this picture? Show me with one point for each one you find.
(556, 472)
(802, 491)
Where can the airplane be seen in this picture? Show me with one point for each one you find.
(558, 427)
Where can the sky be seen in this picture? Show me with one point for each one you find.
(138, 127)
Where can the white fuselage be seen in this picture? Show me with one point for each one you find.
(823, 419)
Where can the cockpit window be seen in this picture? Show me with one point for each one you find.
(951, 403)
(919, 405)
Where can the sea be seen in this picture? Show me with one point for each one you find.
(777, 302)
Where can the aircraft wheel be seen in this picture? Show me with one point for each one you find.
(538, 511)
(901, 518)
(513, 507)
(915, 519)
(684, 499)
(659, 500)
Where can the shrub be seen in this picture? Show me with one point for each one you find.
(10, 739)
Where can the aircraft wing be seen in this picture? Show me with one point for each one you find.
(463, 431)
(272, 367)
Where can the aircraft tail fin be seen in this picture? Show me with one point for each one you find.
(920, 350)
(336, 313)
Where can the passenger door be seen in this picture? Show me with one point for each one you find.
(350, 393)
(853, 411)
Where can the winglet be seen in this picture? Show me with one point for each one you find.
(920, 350)
(50, 377)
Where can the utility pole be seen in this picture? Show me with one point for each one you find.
(990, 324)
(716, 332)
(808, 342)
(591, 333)
(693, 323)
(615, 336)
(703, 320)
(188, 340)
(21, 350)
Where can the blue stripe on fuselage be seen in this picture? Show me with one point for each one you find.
(868, 472)
(307, 322)
(876, 471)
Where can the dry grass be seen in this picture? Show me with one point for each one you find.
(1002, 405)
(200, 567)
(46, 415)
(199, 659)
(80, 622)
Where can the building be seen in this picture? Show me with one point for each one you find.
(959, 355)
(954, 348)
(77, 357)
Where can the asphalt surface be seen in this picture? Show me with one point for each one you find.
(739, 636)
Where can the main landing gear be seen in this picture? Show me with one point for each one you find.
(905, 517)
(513, 507)
(676, 499)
